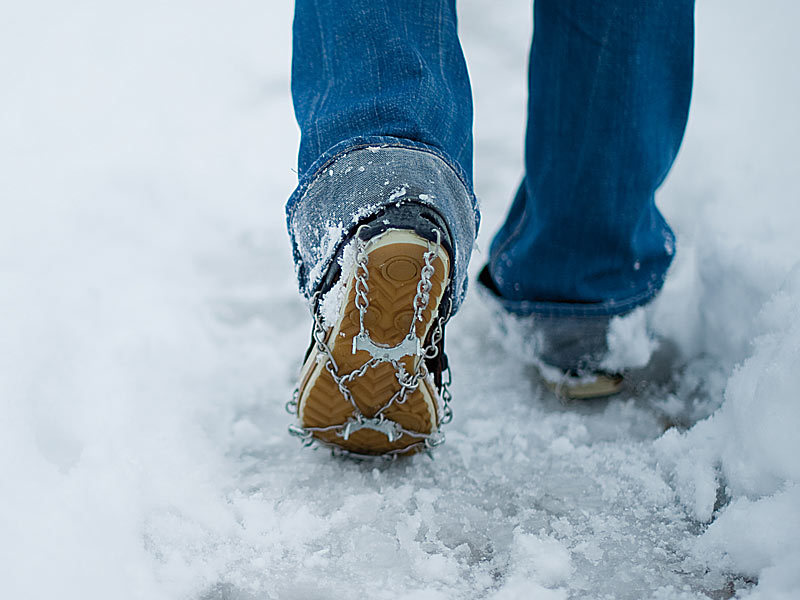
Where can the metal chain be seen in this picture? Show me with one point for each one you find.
(432, 351)
(361, 285)
(447, 410)
(423, 295)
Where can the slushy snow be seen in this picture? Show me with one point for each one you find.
(151, 332)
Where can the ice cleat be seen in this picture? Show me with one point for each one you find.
(372, 382)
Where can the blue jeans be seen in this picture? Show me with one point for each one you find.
(382, 97)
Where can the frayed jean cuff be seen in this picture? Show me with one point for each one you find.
(354, 180)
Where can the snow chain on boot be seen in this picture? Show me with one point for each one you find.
(410, 345)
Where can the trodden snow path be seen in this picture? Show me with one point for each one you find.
(150, 333)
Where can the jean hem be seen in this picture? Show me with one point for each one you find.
(607, 308)
(327, 158)
(356, 179)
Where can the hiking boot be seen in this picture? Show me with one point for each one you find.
(372, 381)
(570, 352)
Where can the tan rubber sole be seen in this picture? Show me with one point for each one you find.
(395, 261)
(601, 386)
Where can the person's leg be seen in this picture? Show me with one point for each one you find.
(610, 84)
(383, 101)
(383, 219)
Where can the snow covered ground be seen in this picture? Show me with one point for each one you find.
(150, 333)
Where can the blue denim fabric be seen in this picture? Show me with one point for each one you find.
(382, 97)
(610, 83)
(354, 180)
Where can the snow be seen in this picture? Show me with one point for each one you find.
(399, 193)
(331, 303)
(748, 450)
(630, 343)
(150, 333)
(334, 233)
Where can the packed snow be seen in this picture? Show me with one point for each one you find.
(151, 332)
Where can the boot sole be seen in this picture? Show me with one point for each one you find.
(395, 261)
(598, 386)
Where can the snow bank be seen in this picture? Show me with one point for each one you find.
(740, 466)
(733, 302)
